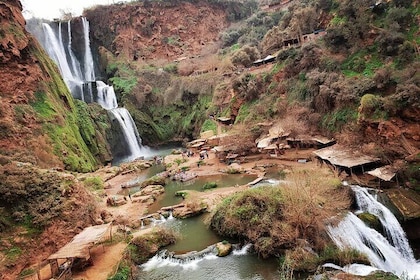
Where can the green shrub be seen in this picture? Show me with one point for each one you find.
(209, 185)
(171, 68)
(371, 107)
(337, 119)
(209, 125)
(123, 273)
(94, 183)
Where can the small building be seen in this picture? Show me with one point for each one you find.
(225, 120)
(385, 174)
(77, 251)
(342, 158)
(317, 142)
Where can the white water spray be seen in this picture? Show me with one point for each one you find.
(187, 261)
(393, 254)
(106, 96)
(242, 251)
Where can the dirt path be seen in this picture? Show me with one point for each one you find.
(105, 260)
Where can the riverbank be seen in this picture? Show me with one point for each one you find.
(105, 264)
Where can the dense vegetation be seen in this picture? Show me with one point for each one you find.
(276, 219)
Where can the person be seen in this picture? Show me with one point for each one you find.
(129, 196)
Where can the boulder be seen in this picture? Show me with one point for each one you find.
(223, 248)
(148, 199)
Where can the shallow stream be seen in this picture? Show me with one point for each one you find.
(195, 236)
(222, 181)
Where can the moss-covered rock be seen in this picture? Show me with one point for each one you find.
(371, 221)
(57, 111)
(145, 246)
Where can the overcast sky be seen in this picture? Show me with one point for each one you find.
(50, 9)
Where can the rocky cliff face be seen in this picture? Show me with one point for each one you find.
(41, 125)
(38, 115)
(159, 30)
(19, 72)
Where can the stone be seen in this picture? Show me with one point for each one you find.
(223, 248)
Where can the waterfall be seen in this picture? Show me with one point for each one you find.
(106, 96)
(390, 253)
(242, 251)
(129, 131)
(79, 76)
(65, 59)
(185, 261)
(89, 73)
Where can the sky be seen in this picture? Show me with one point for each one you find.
(50, 9)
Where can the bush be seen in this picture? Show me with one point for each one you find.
(245, 56)
(94, 183)
(230, 37)
(275, 218)
(371, 107)
(209, 185)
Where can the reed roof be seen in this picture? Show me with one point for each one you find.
(79, 246)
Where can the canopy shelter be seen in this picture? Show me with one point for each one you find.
(79, 247)
(310, 142)
(385, 173)
(340, 156)
(225, 120)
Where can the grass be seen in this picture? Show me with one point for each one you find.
(42, 106)
(243, 113)
(94, 183)
(209, 125)
(362, 63)
(123, 272)
(13, 253)
(336, 120)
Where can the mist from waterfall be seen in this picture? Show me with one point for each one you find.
(79, 76)
(390, 252)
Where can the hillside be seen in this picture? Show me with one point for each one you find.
(357, 81)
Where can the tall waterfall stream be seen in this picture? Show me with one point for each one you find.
(79, 76)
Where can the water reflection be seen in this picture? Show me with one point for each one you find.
(223, 180)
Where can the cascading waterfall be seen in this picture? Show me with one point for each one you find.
(129, 132)
(65, 59)
(80, 76)
(189, 260)
(106, 96)
(391, 253)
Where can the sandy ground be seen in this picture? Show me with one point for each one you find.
(106, 258)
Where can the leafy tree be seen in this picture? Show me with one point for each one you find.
(389, 42)
(245, 56)
(247, 86)
(402, 18)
